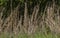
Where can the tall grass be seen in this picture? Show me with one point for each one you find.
(45, 23)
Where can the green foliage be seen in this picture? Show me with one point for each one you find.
(58, 2)
(4, 35)
(36, 35)
(2, 2)
(22, 1)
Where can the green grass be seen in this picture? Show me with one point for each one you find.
(36, 35)
(4, 35)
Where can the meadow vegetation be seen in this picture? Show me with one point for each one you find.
(23, 21)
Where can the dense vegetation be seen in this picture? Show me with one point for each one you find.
(29, 18)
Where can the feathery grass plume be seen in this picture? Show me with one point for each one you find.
(20, 26)
(48, 19)
(15, 18)
(11, 20)
(26, 16)
(53, 25)
(33, 20)
(1, 20)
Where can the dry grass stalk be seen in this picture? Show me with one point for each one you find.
(33, 20)
(1, 20)
(30, 25)
(26, 18)
(54, 26)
